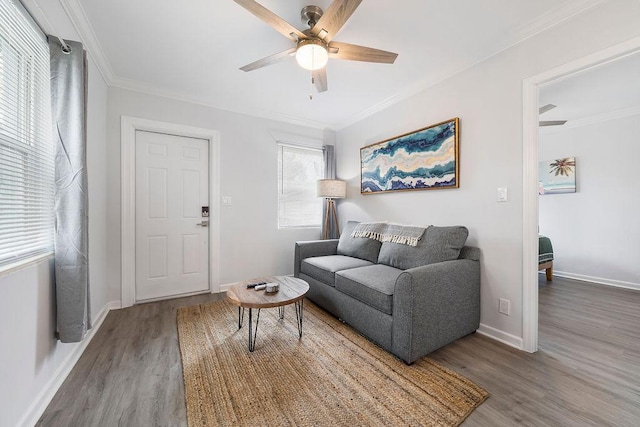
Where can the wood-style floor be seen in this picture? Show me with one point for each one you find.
(587, 371)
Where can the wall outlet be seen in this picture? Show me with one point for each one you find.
(504, 306)
(226, 201)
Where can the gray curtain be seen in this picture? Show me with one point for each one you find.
(68, 102)
(329, 173)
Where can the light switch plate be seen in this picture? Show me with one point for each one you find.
(504, 306)
(226, 201)
(502, 194)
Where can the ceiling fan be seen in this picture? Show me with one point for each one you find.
(543, 110)
(314, 46)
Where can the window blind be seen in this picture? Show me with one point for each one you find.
(298, 170)
(26, 146)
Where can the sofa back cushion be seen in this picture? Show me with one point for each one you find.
(437, 244)
(358, 247)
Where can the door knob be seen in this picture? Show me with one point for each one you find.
(203, 224)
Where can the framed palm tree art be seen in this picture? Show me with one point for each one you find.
(557, 176)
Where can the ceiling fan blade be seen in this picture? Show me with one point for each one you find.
(354, 52)
(334, 18)
(546, 108)
(279, 24)
(552, 122)
(272, 59)
(320, 79)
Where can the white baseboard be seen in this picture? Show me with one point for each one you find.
(225, 287)
(517, 342)
(598, 280)
(498, 335)
(114, 305)
(50, 389)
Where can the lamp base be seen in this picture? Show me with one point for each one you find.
(331, 210)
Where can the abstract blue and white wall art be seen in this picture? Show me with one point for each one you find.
(419, 160)
(557, 176)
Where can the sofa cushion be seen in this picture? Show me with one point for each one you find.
(438, 244)
(358, 247)
(373, 285)
(323, 268)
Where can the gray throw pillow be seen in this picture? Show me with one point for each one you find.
(358, 247)
(437, 244)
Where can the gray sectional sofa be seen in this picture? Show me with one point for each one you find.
(409, 300)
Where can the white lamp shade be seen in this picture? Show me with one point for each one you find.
(332, 188)
(312, 55)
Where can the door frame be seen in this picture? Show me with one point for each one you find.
(129, 126)
(530, 175)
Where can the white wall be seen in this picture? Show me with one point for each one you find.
(595, 232)
(31, 359)
(250, 243)
(488, 100)
(486, 97)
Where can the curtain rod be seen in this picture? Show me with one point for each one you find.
(65, 47)
(42, 23)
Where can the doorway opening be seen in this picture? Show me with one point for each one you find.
(531, 87)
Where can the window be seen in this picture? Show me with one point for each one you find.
(298, 170)
(26, 147)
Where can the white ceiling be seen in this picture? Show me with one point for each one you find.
(607, 91)
(192, 49)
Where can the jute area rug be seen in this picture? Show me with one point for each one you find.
(330, 377)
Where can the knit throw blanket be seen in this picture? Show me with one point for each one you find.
(385, 232)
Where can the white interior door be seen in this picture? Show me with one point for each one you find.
(172, 237)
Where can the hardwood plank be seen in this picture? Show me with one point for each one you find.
(585, 374)
(131, 372)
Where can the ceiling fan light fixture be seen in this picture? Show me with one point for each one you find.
(312, 54)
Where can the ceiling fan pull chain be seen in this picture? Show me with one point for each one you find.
(312, 82)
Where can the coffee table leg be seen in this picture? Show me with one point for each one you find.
(299, 307)
(252, 336)
(240, 317)
(281, 312)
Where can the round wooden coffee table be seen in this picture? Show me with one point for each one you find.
(291, 291)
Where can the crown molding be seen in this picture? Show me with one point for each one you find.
(80, 21)
(552, 18)
(403, 94)
(591, 120)
(545, 22)
(135, 86)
